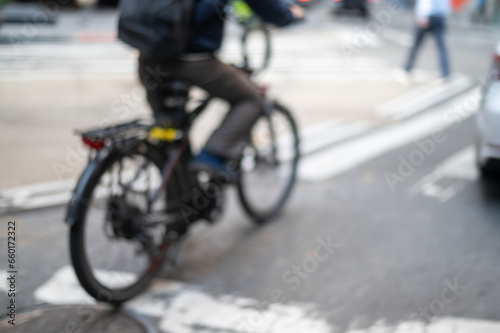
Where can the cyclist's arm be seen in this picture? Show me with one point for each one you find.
(274, 11)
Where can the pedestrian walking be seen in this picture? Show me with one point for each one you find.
(88, 9)
(431, 18)
(479, 15)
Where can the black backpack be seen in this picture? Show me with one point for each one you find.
(157, 28)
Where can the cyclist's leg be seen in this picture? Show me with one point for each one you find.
(219, 80)
(246, 106)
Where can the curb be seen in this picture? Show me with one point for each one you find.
(424, 98)
(36, 196)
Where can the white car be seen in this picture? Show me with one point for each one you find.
(488, 123)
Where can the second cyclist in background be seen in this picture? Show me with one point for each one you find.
(199, 66)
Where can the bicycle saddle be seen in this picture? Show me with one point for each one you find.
(174, 102)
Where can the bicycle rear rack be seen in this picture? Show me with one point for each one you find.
(101, 137)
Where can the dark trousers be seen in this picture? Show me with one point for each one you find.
(437, 26)
(219, 80)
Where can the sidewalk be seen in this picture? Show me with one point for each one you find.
(39, 144)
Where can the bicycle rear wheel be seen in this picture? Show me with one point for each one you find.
(269, 165)
(115, 250)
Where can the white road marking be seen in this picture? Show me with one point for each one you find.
(345, 157)
(400, 38)
(325, 134)
(440, 325)
(192, 310)
(316, 59)
(421, 99)
(357, 74)
(184, 308)
(319, 56)
(65, 50)
(37, 195)
(63, 288)
(458, 167)
(67, 58)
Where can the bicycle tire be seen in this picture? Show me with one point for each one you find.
(80, 256)
(251, 29)
(258, 214)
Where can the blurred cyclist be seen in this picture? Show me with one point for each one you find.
(198, 65)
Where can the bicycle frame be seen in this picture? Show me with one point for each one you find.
(180, 149)
(177, 151)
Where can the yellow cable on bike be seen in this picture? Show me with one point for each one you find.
(164, 134)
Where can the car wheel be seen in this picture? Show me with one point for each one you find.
(487, 170)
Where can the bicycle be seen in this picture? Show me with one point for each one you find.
(138, 196)
(255, 32)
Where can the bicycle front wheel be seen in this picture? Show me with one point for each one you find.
(269, 165)
(115, 250)
(256, 46)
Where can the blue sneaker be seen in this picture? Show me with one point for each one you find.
(226, 170)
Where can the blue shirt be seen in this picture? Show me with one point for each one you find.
(209, 16)
(427, 8)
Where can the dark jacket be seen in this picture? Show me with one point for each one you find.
(209, 17)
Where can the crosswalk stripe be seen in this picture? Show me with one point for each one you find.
(319, 56)
(315, 138)
(400, 38)
(37, 49)
(184, 308)
(438, 325)
(351, 154)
